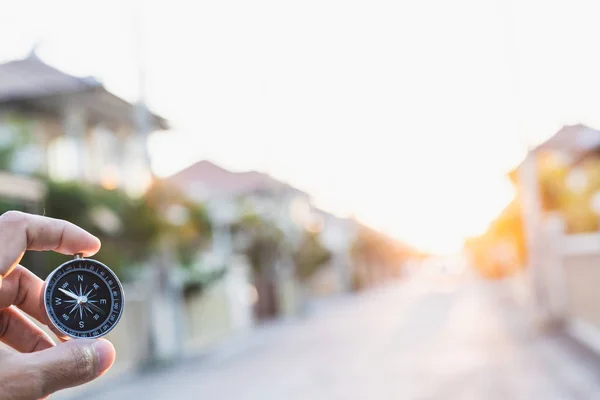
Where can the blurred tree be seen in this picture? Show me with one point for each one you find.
(129, 229)
(552, 185)
(376, 256)
(15, 133)
(576, 207)
(192, 235)
(565, 188)
(186, 222)
(501, 250)
(310, 256)
(198, 281)
(263, 243)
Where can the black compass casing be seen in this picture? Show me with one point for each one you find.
(83, 298)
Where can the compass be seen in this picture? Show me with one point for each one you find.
(83, 298)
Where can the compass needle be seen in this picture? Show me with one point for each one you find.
(95, 307)
(69, 293)
(87, 309)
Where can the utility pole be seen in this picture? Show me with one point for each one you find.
(165, 303)
(528, 191)
(142, 114)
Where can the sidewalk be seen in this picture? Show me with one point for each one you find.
(424, 340)
(228, 349)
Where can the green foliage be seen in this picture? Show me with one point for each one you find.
(199, 281)
(376, 254)
(70, 201)
(129, 229)
(21, 134)
(7, 205)
(310, 256)
(552, 188)
(265, 242)
(189, 237)
(193, 235)
(373, 248)
(555, 195)
(131, 240)
(574, 206)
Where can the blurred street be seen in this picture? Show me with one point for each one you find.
(433, 337)
(301, 200)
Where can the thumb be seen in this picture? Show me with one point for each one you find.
(70, 364)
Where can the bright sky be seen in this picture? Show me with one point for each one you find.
(405, 113)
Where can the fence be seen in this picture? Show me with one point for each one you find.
(569, 281)
(221, 310)
(208, 317)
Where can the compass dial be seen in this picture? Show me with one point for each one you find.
(83, 298)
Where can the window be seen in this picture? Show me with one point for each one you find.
(64, 159)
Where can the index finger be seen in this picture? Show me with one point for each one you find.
(20, 231)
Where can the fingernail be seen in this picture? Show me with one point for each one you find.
(105, 352)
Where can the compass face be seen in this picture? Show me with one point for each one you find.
(83, 298)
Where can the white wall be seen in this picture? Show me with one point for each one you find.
(571, 266)
(222, 310)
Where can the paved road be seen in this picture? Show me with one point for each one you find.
(426, 339)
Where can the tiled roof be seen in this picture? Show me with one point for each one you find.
(31, 79)
(572, 138)
(220, 181)
(575, 140)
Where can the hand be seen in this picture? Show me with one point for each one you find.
(39, 367)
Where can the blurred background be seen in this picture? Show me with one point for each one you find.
(321, 199)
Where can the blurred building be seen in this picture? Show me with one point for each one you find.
(570, 141)
(378, 258)
(230, 196)
(552, 227)
(239, 193)
(565, 169)
(71, 127)
(338, 236)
